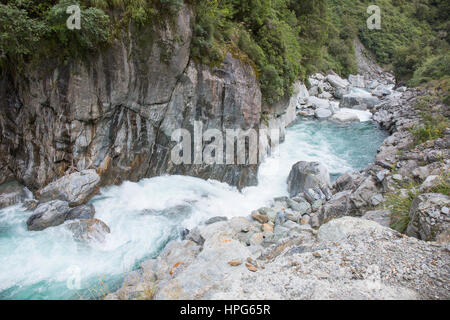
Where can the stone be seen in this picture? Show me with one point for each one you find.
(357, 81)
(427, 221)
(345, 116)
(300, 207)
(49, 214)
(377, 199)
(322, 113)
(215, 219)
(89, 230)
(258, 216)
(305, 175)
(348, 182)
(318, 103)
(356, 99)
(76, 188)
(430, 183)
(84, 212)
(195, 236)
(363, 195)
(336, 81)
(381, 175)
(234, 263)
(267, 227)
(382, 217)
(338, 206)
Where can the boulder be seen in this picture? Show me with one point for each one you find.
(48, 214)
(84, 212)
(338, 206)
(348, 181)
(383, 217)
(357, 81)
(354, 99)
(89, 230)
(305, 175)
(429, 218)
(345, 116)
(322, 113)
(76, 188)
(215, 219)
(430, 183)
(318, 103)
(337, 82)
(366, 191)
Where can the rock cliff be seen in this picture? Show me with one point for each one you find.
(116, 113)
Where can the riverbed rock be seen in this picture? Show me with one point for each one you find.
(345, 116)
(338, 206)
(362, 196)
(49, 214)
(89, 230)
(305, 175)
(76, 188)
(429, 220)
(322, 113)
(337, 82)
(84, 212)
(357, 81)
(318, 103)
(382, 217)
(352, 100)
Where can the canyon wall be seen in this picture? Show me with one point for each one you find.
(115, 112)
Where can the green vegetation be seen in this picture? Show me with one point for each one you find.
(283, 40)
(399, 205)
(414, 35)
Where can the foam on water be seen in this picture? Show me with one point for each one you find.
(144, 216)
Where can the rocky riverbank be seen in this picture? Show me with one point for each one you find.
(327, 241)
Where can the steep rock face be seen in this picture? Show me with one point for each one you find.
(116, 113)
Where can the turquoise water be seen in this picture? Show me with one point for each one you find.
(144, 216)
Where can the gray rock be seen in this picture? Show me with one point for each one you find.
(300, 207)
(427, 221)
(348, 182)
(377, 199)
(215, 219)
(383, 217)
(363, 195)
(430, 183)
(85, 212)
(76, 188)
(345, 116)
(48, 214)
(322, 113)
(357, 81)
(305, 175)
(318, 103)
(337, 81)
(89, 230)
(338, 206)
(355, 99)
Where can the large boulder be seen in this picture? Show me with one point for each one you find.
(359, 99)
(48, 214)
(76, 188)
(89, 230)
(84, 212)
(322, 113)
(305, 175)
(318, 103)
(338, 206)
(357, 81)
(362, 197)
(345, 116)
(337, 82)
(430, 218)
